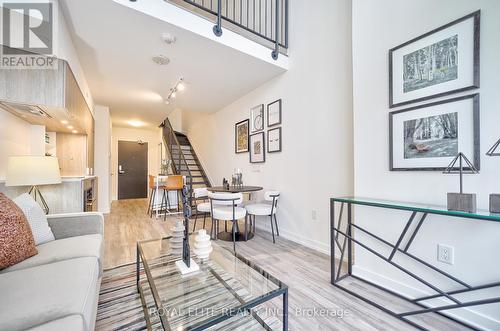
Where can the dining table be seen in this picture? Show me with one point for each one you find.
(226, 235)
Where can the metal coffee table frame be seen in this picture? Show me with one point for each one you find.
(346, 248)
(282, 290)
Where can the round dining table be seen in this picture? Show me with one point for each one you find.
(228, 235)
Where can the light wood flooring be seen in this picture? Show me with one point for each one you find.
(305, 271)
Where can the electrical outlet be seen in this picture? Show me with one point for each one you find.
(446, 254)
(314, 215)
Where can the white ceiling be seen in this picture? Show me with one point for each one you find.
(115, 45)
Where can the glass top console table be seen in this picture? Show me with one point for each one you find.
(343, 237)
(223, 294)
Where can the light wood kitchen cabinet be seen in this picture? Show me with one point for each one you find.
(72, 154)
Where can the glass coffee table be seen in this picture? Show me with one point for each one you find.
(223, 294)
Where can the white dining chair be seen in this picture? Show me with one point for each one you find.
(202, 205)
(224, 207)
(266, 208)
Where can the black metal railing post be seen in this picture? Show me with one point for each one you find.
(218, 26)
(275, 53)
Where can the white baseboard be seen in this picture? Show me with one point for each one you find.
(313, 244)
(465, 314)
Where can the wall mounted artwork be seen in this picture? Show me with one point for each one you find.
(241, 136)
(257, 118)
(257, 148)
(438, 63)
(428, 137)
(274, 113)
(274, 140)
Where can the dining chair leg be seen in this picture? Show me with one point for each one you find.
(246, 228)
(254, 225)
(272, 228)
(150, 200)
(204, 219)
(212, 230)
(225, 226)
(162, 202)
(276, 222)
(195, 219)
(153, 196)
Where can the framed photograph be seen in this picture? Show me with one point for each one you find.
(438, 63)
(241, 136)
(257, 148)
(428, 137)
(274, 113)
(274, 140)
(257, 118)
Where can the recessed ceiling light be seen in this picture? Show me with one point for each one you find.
(136, 123)
(64, 122)
(70, 127)
(161, 60)
(74, 131)
(168, 38)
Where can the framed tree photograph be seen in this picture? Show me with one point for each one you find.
(429, 137)
(436, 64)
(241, 136)
(257, 118)
(274, 113)
(274, 140)
(257, 148)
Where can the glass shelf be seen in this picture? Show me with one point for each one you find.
(417, 207)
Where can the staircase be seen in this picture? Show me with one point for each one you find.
(184, 159)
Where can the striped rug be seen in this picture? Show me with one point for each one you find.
(120, 306)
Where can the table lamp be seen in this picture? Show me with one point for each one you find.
(466, 202)
(33, 171)
(494, 198)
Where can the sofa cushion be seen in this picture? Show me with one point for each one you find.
(35, 296)
(64, 249)
(73, 323)
(36, 218)
(16, 239)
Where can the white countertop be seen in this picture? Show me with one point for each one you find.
(66, 179)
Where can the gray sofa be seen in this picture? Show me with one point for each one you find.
(58, 288)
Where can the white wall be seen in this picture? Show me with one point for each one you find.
(377, 27)
(316, 161)
(129, 134)
(102, 156)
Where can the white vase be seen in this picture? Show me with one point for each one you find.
(202, 245)
(177, 238)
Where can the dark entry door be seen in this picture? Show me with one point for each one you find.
(132, 170)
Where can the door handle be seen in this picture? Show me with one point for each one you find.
(120, 170)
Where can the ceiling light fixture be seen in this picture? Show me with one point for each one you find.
(64, 122)
(136, 123)
(74, 131)
(179, 86)
(70, 127)
(161, 60)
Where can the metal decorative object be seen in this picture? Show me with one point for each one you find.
(466, 202)
(187, 265)
(495, 149)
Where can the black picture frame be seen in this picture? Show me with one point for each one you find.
(476, 128)
(247, 122)
(269, 143)
(476, 61)
(257, 114)
(263, 139)
(268, 107)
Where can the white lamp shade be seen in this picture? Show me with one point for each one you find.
(32, 171)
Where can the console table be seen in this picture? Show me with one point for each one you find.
(345, 240)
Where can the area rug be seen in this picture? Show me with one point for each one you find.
(120, 306)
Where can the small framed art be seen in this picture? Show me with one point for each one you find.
(257, 148)
(274, 113)
(274, 140)
(257, 118)
(241, 136)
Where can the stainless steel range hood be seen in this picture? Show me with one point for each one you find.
(49, 97)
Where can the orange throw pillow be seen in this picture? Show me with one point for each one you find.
(16, 240)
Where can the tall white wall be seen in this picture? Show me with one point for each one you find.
(102, 156)
(152, 137)
(377, 27)
(316, 161)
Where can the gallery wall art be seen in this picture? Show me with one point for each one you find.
(428, 137)
(257, 148)
(274, 113)
(257, 118)
(241, 136)
(274, 140)
(438, 63)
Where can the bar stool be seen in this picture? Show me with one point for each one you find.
(201, 207)
(172, 183)
(224, 207)
(152, 186)
(265, 209)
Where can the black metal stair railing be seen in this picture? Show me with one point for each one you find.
(267, 19)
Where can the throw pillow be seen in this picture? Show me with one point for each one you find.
(36, 218)
(16, 240)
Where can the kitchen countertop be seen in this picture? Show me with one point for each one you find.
(65, 179)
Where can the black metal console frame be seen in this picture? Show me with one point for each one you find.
(349, 241)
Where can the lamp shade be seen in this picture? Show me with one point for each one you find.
(32, 171)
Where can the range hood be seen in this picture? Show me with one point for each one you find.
(49, 97)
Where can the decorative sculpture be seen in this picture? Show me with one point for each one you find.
(202, 245)
(494, 198)
(187, 264)
(177, 238)
(466, 202)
